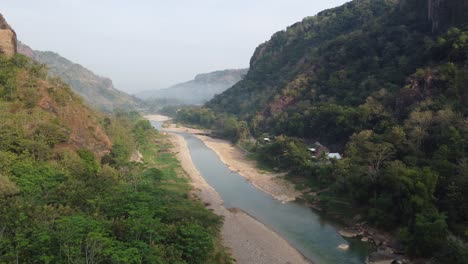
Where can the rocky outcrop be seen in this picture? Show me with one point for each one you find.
(8, 40)
(444, 13)
(433, 10)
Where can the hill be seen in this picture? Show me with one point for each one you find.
(341, 55)
(384, 83)
(98, 91)
(344, 57)
(71, 189)
(199, 90)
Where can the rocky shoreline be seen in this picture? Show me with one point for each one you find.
(389, 251)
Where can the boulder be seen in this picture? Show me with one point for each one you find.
(343, 246)
(348, 233)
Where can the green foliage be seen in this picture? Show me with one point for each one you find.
(200, 116)
(195, 242)
(50, 133)
(119, 155)
(60, 204)
(428, 234)
(92, 166)
(226, 126)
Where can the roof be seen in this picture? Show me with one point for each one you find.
(334, 156)
(312, 149)
(318, 144)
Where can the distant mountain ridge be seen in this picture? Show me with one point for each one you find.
(96, 90)
(199, 90)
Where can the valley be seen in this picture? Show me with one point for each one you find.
(343, 141)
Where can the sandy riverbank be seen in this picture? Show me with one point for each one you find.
(249, 240)
(271, 183)
(157, 118)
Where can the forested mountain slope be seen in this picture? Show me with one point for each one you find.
(385, 83)
(98, 91)
(70, 191)
(199, 90)
(341, 56)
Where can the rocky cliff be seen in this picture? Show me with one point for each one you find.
(7, 38)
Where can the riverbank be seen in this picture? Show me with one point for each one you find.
(157, 118)
(249, 240)
(273, 184)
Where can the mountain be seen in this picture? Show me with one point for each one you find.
(98, 91)
(341, 56)
(199, 90)
(385, 84)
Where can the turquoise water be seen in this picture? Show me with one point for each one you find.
(315, 237)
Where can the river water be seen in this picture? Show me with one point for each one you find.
(309, 232)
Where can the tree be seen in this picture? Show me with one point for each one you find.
(365, 149)
(417, 126)
(243, 131)
(81, 239)
(427, 235)
(7, 187)
(195, 243)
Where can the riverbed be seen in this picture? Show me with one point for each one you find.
(306, 230)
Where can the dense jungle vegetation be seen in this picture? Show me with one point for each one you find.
(69, 192)
(382, 83)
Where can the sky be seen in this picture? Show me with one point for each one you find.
(152, 44)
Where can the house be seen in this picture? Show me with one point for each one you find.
(336, 156)
(266, 139)
(318, 149)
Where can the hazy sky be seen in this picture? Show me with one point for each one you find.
(150, 44)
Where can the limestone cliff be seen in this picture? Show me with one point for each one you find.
(7, 38)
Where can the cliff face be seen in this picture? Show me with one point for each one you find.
(7, 38)
(442, 13)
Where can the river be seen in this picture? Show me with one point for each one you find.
(312, 234)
